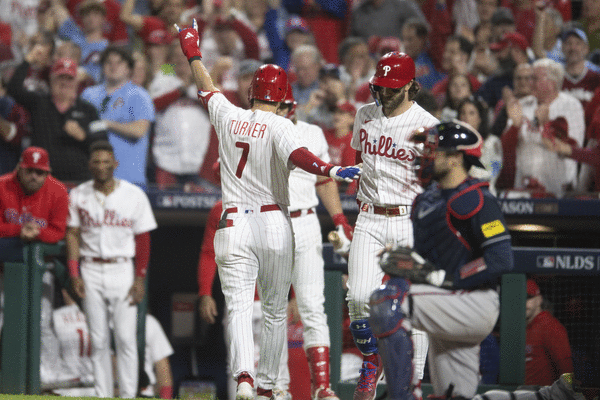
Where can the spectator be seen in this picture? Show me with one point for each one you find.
(454, 61)
(296, 33)
(546, 42)
(306, 64)
(524, 12)
(590, 21)
(357, 66)
(510, 52)
(126, 110)
(22, 18)
(438, 14)
(68, 49)
(382, 17)
(474, 111)
(89, 37)
(245, 73)
(522, 87)
(142, 74)
(154, 28)
(61, 122)
(339, 138)
(115, 31)
(254, 14)
(459, 88)
(483, 20)
(39, 71)
(327, 19)
(414, 36)
(33, 204)
(580, 80)
(503, 22)
(482, 62)
(548, 354)
(530, 119)
(323, 102)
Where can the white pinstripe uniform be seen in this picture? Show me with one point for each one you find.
(254, 147)
(108, 225)
(388, 180)
(308, 273)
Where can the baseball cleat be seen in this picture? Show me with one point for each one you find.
(244, 392)
(323, 393)
(370, 374)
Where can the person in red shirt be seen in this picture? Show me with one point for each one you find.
(547, 350)
(33, 204)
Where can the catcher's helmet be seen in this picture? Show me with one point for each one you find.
(449, 136)
(269, 83)
(394, 70)
(289, 101)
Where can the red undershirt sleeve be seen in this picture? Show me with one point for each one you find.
(309, 162)
(142, 254)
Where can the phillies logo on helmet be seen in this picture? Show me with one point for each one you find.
(386, 69)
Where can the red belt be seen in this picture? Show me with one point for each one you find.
(105, 260)
(296, 214)
(268, 207)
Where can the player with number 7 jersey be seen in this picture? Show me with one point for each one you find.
(254, 242)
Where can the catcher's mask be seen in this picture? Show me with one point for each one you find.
(448, 136)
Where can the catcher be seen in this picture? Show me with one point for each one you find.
(447, 285)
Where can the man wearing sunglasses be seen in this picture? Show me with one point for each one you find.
(33, 204)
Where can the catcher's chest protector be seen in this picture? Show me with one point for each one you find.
(442, 227)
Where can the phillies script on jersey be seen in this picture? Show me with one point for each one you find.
(110, 219)
(385, 147)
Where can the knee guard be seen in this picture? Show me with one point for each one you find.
(392, 330)
(363, 336)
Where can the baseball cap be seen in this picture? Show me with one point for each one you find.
(158, 35)
(248, 67)
(36, 158)
(577, 32)
(511, 38)
(91, 5)
(64, 66)
(297, 23)
(388, 44)
(347, 107)
(329, 70)
(532, 288)
(502, 15)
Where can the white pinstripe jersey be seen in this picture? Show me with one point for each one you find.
(388, 177)
(254, 147)
(302, 184)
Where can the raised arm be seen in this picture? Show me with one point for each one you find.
(126, 15)
(190, 45)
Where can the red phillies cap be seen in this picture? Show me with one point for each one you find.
(65, 66)
(532, 288)
(511, 38)
(158, 35)
(347, 107)
(35, 158)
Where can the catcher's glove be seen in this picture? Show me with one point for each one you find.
(404, 262)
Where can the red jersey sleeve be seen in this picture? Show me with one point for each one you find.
(207, 267)
(57, 215)
(248, 37)
(557, 345)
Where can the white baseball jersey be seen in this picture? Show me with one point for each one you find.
(533, 159)
(108, 224)
(302, 184)
(73, 336)
(254, 148)
(157, 348)
(388, 177)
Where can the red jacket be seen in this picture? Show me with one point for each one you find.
(547, 350)
(48, 207)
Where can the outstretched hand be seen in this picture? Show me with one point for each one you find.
(345, 174)
(189, 39)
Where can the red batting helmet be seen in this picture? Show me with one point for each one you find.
(269, 83)
(289, 101)
(394, 70)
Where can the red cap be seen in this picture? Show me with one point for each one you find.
(297, 23)
(65, 66)
(511, 38)
(348, 108)
(36, 158)
(532, 288)
(389, 43)
(158, 35)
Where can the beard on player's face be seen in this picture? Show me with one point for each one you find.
(392, 98)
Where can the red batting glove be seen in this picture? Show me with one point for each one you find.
(189, 40)
(340, 219)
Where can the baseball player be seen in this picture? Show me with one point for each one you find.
(308, 277)
(386, 191)
(255, 242)
(447, 285)
(108, 231)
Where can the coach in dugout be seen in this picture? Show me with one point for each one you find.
(33, 204)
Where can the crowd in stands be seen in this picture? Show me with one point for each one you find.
(521, 71)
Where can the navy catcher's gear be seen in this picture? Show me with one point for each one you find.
(363, 336)
(447, 136)
(470, 226)
(392, 329)
(404, 262)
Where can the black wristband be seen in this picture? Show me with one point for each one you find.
(194, 58)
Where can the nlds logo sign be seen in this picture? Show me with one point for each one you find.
(569, 262)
